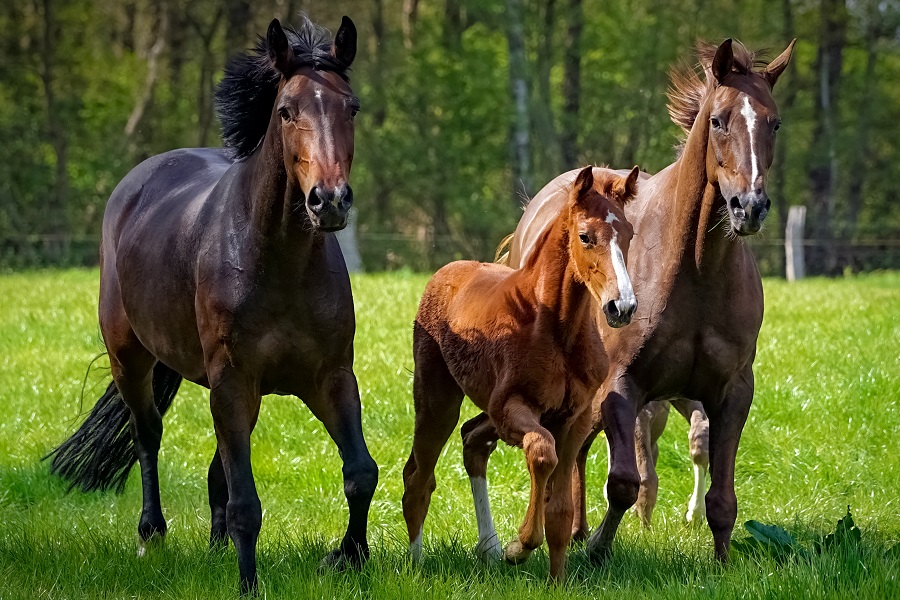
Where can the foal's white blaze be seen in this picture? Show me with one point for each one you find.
(696, 511)
(750, 118)
(488, 547)
(324, 129)
(626, 292)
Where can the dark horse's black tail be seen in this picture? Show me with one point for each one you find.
(100, 454)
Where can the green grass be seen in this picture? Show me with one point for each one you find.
(823, 434)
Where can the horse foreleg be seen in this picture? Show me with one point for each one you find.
(623, 480)
(234, 402)
(560, 510)
(132, 370)
(698, 440)
(651, 421)
(520, 426)
(480, 439)
(726, 422)
(217, 487)
(580, 528)
(338, 408)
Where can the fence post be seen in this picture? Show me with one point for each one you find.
(793, 243)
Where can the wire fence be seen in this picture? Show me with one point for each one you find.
(392, 251)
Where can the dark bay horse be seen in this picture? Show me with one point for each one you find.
(700, 294)
(525, 346)
(219, 267)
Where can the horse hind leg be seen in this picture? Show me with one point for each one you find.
(479, 438)
(217, 486)
(649, 426)
(698, 439)
(437, 399)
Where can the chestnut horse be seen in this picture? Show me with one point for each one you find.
(524, 345)
(701, 295)
(219, 267)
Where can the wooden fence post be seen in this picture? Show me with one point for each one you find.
(793, 243)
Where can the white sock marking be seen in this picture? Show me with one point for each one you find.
(697, 504)
(415, 547)
(488, 547)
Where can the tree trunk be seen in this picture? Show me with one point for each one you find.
(860, 155)
(788, 94)
(410, 15)
(207, 70)
(518, 88)
(57, 209)
(572, 85)
(824, 165)
(145, 99)
(238, 18)
(378, 100)
(542, 108)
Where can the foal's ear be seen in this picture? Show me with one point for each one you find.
(344, 48)
(625, 188)
(723, 61)
(585, 181)
(280, 51)
(775, 68)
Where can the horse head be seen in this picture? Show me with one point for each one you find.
(735, 106)
(599, 237)
(313, 113)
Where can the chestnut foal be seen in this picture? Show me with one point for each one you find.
(525, 346)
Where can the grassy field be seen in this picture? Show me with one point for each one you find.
(824, 433)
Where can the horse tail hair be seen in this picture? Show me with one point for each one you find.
(100, 454)
(501, 256)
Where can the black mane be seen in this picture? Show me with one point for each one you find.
(246, 94)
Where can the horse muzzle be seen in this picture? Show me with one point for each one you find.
(747, 211)
(328, 208)
(619, 312)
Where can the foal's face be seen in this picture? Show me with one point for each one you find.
(315, 110)
(599, 240)
(742, 124)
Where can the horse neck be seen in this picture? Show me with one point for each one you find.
(551, 274)
(702, 247)
(272, 205)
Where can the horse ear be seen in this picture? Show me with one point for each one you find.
(585, 181)
(344, 48)
(626, 187)
(280, 51)
(723, 61)
(775, 68)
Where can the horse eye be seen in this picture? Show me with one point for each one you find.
(777, 126)
(585, 239)
(354, 112)
(284, 114)
(716, 123)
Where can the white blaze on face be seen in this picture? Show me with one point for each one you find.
(324, 129)
(626, 291)
(750, 118)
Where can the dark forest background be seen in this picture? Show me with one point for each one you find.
(467, 106)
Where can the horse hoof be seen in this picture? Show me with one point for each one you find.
(516, 553)
(341, 560)
(148, 545)
(489, 551)
(598, 553)
(695, 517)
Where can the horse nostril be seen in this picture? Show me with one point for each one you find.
(735, 205)
(315, 200)
(768, 203)
(611, 309)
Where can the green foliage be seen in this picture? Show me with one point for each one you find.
(769, 539)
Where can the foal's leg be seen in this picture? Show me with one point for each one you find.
(338, 408)
(217, 486)
(623, 480)
(726, 421)
(580, 528)
(651, 421)
(479, 440)
(234, 402)
(520, 426)
(698, 438)
(132, 370)
(559, 510)
(437, 399)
